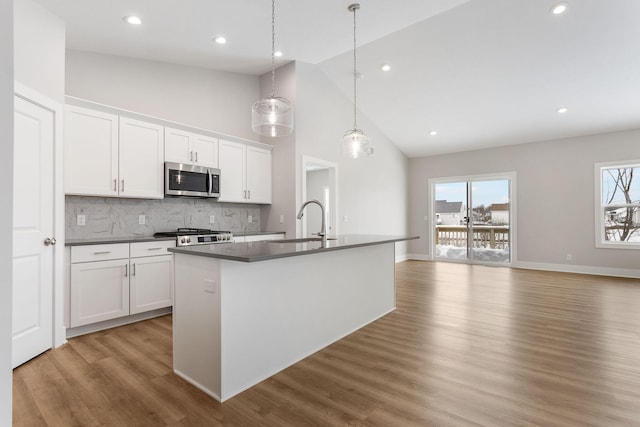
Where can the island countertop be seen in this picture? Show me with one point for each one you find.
(266, 250)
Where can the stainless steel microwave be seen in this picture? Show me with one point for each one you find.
(191, 180)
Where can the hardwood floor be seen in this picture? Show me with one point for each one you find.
(467, 346)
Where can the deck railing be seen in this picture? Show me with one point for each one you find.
(484, 236)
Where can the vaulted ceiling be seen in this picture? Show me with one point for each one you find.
(480, 73)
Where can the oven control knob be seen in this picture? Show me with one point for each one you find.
(188, 239)
(183, 240)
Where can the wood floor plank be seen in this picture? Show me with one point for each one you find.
(468, 345)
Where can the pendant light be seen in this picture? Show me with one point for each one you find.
(355, 143)
(272, 116)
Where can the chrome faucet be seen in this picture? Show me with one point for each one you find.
(323, 229)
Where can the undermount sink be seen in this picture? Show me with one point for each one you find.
(301, 240)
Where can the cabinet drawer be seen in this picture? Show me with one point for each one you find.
(99, 252)
(142, 249)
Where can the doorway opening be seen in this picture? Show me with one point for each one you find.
(319, 182)
(473, 219)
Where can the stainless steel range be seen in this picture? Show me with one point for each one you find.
(197, 236)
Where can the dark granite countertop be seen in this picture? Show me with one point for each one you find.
(266, 250)
(135, 239)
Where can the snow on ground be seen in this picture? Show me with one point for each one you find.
(479, 254)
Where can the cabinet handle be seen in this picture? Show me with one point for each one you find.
(102, 253)
(191, 156)
(134, 269)
(122, 189)
(249, 193)
(50, 241)
(196, 157)
(126, 270)
(115, 185)
(244, 194)
(154, 249)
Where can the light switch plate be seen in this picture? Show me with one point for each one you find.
(82, 220)
(250, 219)
(210, 286)
(142, 220)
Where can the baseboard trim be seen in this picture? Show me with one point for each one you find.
(113, 323)
(580, 269)
(419, 257)
(402, 257)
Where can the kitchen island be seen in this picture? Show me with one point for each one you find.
(245, 311)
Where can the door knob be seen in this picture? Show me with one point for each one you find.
(50, 241)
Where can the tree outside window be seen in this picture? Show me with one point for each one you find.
(618, 215)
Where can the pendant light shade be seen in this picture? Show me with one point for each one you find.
(355, 143)
(272, 116)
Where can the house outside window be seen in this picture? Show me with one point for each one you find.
(618, 205)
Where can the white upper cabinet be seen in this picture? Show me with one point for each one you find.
(245, 173)
(258, 175)
(141, 159)
(107, 155)
(205, 151)
(190, 148)
(90, 152)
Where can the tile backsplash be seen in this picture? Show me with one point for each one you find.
(119, 217)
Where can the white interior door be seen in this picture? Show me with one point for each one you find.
(33, 223)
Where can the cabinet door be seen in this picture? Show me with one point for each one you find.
(205, 151)
(99, 291)
(232, 158)
(258, 175)
(90, 152)
(151, 285)
(178, 146)
(141, 155)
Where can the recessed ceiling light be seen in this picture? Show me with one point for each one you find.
(277, 53)
(559, 8)
(220, 40)
(133, 20)
(385, 67)
(562, 110)
(433, 133)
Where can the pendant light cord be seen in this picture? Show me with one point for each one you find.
(355, 122)
(273, 48)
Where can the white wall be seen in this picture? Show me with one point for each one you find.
(39, 49)
(215, 100)
(555, 197)
(372, 190)
(283, 158)
(6, 207)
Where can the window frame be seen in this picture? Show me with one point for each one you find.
(601, 242)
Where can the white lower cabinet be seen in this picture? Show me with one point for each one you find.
(116, 280)
(99, 291)
(151, 283)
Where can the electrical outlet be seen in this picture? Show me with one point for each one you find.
(345, 218)
(212, 219)
(281, 219)
(82, 220)
(142, 220)
(250, 219)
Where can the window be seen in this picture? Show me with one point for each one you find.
(618, 205)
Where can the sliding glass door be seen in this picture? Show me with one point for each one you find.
(472, 219)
